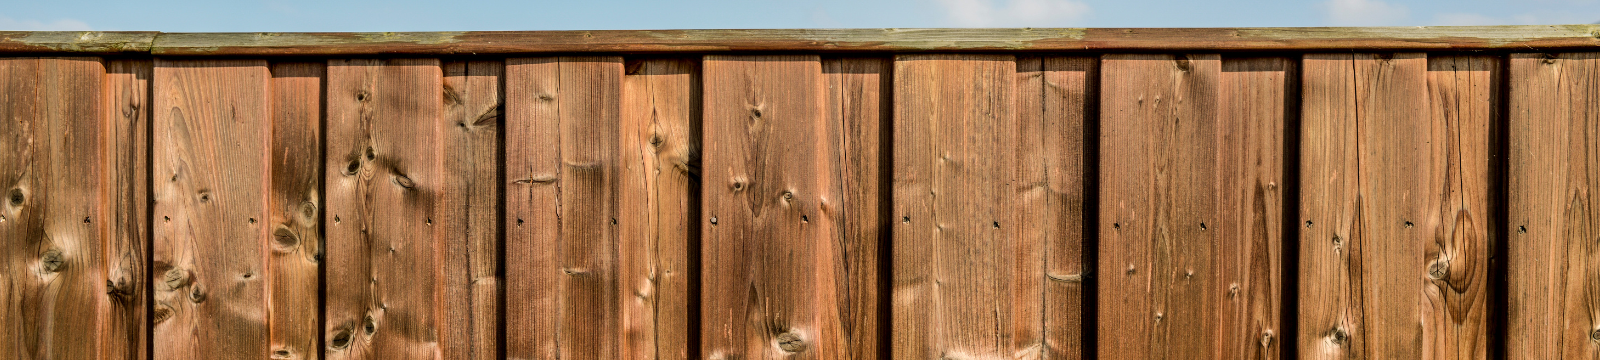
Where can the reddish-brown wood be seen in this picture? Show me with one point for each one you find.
(658, 210)
(1067, 92)
(468, 218)
(858, 113)
(1464, 102)
(210, 156)
(125, 173)
(1256, 100)
(562, 162)
(1553, 262)
(295, 211)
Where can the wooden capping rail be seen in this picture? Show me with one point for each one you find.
(1465, 38)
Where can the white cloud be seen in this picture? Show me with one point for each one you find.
(1466, 19)
(36, 25)
(1364, 12)
(1013, 13)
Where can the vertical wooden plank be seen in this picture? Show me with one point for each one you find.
(383, 183)
(58, 220)
(1464, 94)
(469, 215)
(1069, 94)
(658, 206)
(1256, 101)
(126, 176)
(212, 125)
(1372, 190)
(1553, 262)
(293, 298)
(966, 282)
(572, 299)
(533, 158)
(1159, 206)
(770, 280)
(858, 111)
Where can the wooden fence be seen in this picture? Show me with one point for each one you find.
(1383, 193)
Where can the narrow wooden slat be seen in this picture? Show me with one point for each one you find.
(212, 125)
(567, 295)
(126, 174)
(294, 214)
(1464, 94)
(468, 219)
(658, 206)
(966, 283)
(1553, 296)
(383, 181)
(1068, 89)
(1256, 101)
(533, 163)
(770, 280)
(1372, 189)
(1159, 207)
(858, 112)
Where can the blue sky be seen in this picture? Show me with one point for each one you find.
(417, 15)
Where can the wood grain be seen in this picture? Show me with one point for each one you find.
(658, 207)
(1067, 92)
(1159, 209)
(770, 280)
(1256, 99)
(562, 161)
(212, 126)
(966, 283)
(468, 215)
(858, 113)
(1553, 263)
(384, 182)
(294, 211)
(125, 173)
(1464, 103)
(1373, 185)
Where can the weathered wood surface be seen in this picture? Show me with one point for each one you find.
(210, 158)
(1068, 91)
(384, 186)
(1553, 262)
(1464, 102)
(858, 113)
(1159, 206)
(967, 279)
(1450, 38)
(295, 251)
(468, 216)
(658, 210)
(1257, 100)
(562, 129)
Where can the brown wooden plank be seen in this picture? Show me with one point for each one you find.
(658, 206)
(469, 215)
(966, 283)
(1372, 187)
(126, 176)
(294, 213)
(858, 111)
(568, 301)
(769, 279)
(211, 128)
(533, 158)
(1159, 209)
(383, 181)
(59, 224)
(1552, 263)
(1068, 89)
(1451, 38)
(1464, 94)
(1256, 101)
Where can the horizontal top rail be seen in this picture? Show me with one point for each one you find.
(1521, 37)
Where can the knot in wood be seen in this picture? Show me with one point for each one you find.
(119, 290)
(1594, 335)
(1338, 336)
(403, 181)
(1522, 229)
(363, 96)
(197, 293)
(371, 155)
(175, 278)
(282, 354)
(1233, 289)
(351, 168)
(53, 261)
(162, 314)
(1409, 224)
(790, 342)
(788, 196)
(1439, 269)
(1308, 224)
(369, 325)
(17, 197)
(1266, 338)
(340, 340)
